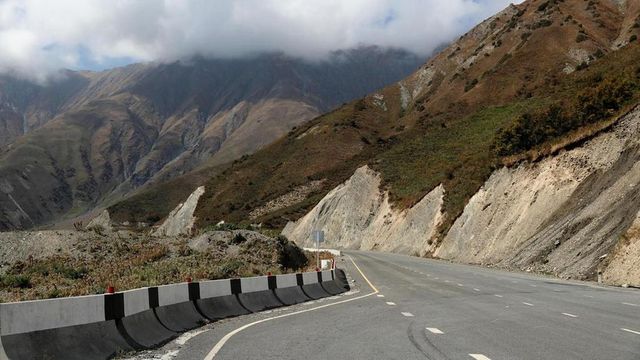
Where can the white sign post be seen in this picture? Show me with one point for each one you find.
(318, 237)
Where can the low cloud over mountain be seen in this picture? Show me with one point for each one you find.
(39, 37)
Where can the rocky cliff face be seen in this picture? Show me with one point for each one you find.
(572, 215)
(357, 215)
(180, 221)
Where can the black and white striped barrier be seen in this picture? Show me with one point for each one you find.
(100, 326)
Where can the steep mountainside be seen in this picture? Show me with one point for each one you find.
(436, 127)
(563, 215)
(90, 138)
(515, 146)
(25, 106)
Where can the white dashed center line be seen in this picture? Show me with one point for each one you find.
(476, 289)
(479, 357)
(630, 304)
(407, 314)
(528, 304)
(570, 315)
(460, 285)
(435, 331)
(447, 281)
(391, 303)
(496, 295)
(532, 285)
(631, 331)
(380, 295)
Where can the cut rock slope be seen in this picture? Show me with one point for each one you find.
(562, 215)
(357, 215)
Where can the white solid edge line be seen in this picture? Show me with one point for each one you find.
(214, 351)
(407, 314)
(631, 331)
(570, 315)
(435, 330)
(479, 357)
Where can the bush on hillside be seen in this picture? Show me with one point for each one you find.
(590, 106)
(291, 256)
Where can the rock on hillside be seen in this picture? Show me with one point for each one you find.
(181, 220)
(563, 215)
(357, 215)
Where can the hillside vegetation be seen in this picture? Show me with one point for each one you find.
(126, 261)
(536, 74)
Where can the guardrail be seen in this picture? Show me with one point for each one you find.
(101, 326)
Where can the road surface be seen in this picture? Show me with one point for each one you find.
(424, 309)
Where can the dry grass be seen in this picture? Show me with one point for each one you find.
(137, 262)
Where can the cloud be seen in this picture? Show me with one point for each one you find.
(38, 37)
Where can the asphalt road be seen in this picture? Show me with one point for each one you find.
(424, 309)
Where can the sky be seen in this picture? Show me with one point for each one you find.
(40, 37)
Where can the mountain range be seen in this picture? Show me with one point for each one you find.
(86, 139)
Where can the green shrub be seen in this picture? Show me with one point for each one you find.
(581, 37)
(230, 269)
(16, 281)
(238, 239)
(470, 84)
(542, 7)
(594, 104)
(291, 256)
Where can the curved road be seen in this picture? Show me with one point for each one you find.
(424, 309)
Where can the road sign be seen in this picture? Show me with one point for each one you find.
(318, 236)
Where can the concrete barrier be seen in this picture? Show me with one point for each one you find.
(218, 301)
(256, 293)
(176, 307)
(81, 327)
(328, 283)
(340, 278)
(289, 289)
(311, 285)
(140, 321)
(100, 326)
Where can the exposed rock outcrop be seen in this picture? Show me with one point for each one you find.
(564, 215)
(357, 215)
(102, 221)
(560, 215)
(181, 220)
(624, 265)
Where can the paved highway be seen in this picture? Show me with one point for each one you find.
(410, 308)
